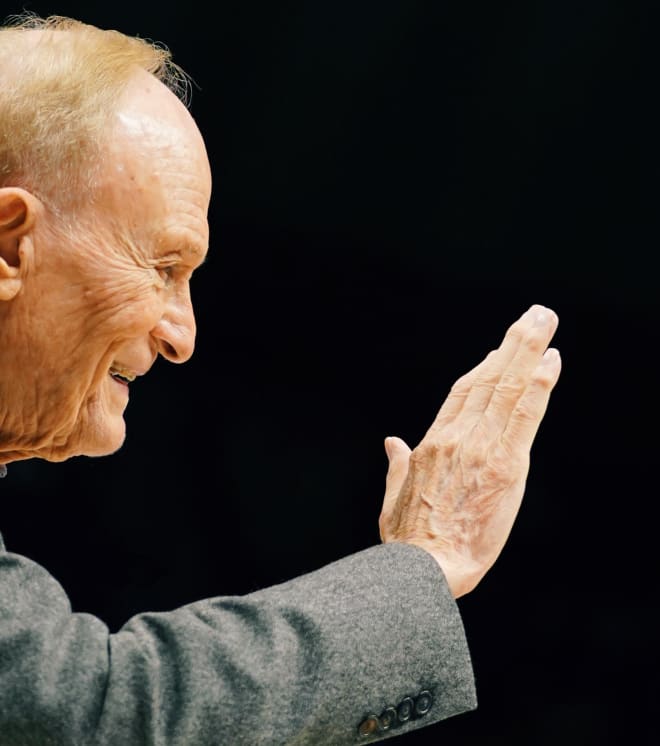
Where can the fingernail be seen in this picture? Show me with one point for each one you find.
(542, 318)
(550, 356)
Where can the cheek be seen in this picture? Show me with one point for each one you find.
(138, 317)
(126, 309)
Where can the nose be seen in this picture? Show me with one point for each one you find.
(175, 331)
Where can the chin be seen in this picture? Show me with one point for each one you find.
(105, 441)
(99, 439)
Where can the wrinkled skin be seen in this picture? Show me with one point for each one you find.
(111, 299)
(458, 492)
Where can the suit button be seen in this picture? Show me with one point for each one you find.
(405, 709)
(423, 703)
(368, 726)
(388, 718)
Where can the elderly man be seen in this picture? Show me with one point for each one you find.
(104, 191)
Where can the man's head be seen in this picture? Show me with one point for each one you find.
(104, 192)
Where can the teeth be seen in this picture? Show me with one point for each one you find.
(122, 373)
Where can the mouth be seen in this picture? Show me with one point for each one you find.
(122, 375)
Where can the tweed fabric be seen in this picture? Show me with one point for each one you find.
(303, 662)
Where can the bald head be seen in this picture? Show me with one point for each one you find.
(60, 81)
(154, 151)
(148, 111)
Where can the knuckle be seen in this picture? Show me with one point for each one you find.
(418, 456)
(480, 389)
(543, 378)
(525, 412)
(500, 469)
(475, 457)
(462, 384)
(432, 450)
(529, 409)
(489, 379)
(535, 342)
(449, 443)
(425, 453)
(509, 453)
(511, 380)
(517, 330)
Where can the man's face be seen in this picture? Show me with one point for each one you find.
(110, 301)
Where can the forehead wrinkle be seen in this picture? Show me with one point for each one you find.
(187, 182)
(180, 200)
(187, 211)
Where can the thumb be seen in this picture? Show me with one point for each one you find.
(398, 454)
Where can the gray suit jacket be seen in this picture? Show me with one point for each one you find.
(363, 649)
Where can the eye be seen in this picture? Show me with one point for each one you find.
(166, 273)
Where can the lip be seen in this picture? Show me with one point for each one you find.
(127, 372)
(121, 388)
(122, 375)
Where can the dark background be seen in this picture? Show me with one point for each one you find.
(394, 183)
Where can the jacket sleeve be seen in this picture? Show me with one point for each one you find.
(366, 648)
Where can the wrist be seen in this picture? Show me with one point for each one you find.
(462, 575)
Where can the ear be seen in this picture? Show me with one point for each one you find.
(18, 213)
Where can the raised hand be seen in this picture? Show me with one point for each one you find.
(458, 492)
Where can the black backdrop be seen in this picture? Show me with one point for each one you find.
(394, 183)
